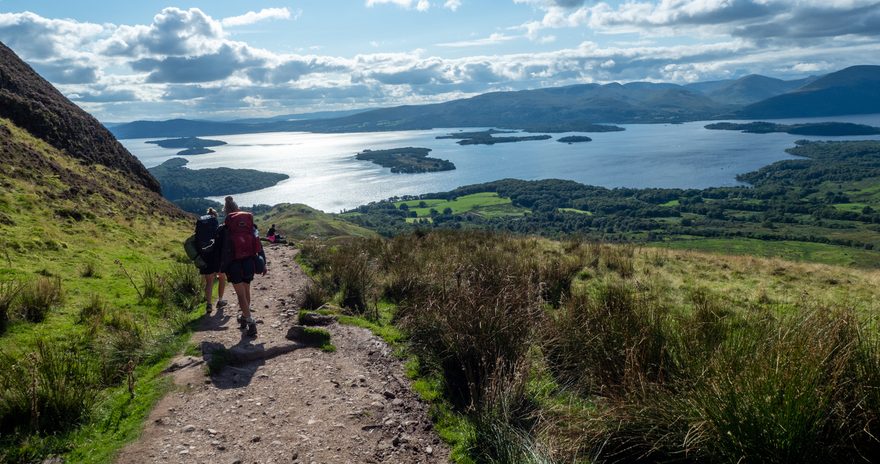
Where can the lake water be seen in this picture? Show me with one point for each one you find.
(324, 174)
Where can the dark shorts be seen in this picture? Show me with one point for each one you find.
(243, 270)
(212, 267)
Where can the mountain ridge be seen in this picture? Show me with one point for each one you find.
(576, 107)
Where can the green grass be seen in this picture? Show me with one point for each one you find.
(790, 250)
(486, 204)
(671, 203)
(117, 225)
(299, 222)
(680, 354)
(853, 207)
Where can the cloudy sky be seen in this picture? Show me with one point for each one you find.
(147, 59)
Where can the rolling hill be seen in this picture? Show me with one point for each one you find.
(854, 90)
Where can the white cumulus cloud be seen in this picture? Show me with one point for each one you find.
(252, 17)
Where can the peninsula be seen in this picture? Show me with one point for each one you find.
(815, 128)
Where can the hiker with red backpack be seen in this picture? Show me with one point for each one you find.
(241, 258)
(206, 228)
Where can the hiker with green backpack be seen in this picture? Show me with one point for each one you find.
(207, 260)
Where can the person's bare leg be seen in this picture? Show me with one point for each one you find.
(241, 291)
(247, 292)
(221, 286)
(209, 289)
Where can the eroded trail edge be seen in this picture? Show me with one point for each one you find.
(278, 401)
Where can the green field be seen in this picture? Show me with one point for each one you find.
(576, 211)
(785, 249)
(484, 204)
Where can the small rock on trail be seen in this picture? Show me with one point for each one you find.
(274, 400)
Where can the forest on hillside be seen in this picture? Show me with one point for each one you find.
(827, 195)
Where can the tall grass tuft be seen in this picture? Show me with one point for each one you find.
(315, 297)
(610, 339)
(180, 287)
(46, 390)
(90, 270)
(477, 321)
(9, 290)
(93, 311)
(38, 297)
(152, 282)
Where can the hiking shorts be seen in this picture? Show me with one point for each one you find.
(212, 266)
(242, 270)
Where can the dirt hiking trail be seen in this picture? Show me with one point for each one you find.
(280, 402)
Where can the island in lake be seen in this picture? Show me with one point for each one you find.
(813, 128)
(191, 145)
(407, 160)
(178, 181)
(574, 139)
(486, 137)
(573, 126)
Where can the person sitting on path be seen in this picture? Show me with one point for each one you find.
(242, 257)
(270, 234)
(206, 228)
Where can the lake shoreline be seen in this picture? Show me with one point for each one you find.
(324, 174)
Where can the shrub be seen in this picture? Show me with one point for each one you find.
(39, 297)
(46, 390)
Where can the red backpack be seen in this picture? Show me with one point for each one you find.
(245, 242)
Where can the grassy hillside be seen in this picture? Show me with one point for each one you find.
(297, 221)
(96, 299)
(537, 351)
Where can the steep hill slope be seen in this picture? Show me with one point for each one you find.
(90, 288)
(30, 102)
(854, 90)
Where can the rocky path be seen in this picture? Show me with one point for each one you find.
(280, 402)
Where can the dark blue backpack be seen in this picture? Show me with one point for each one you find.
(206, 226)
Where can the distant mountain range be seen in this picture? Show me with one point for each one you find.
(854, 90)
